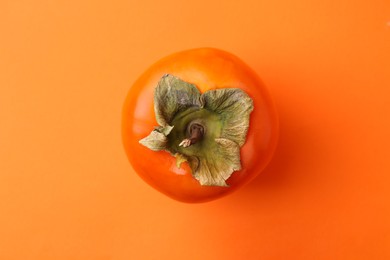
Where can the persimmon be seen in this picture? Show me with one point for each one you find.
(199, 124)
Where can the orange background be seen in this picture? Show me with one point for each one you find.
(67, 190)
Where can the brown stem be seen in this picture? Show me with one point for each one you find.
(196, 132)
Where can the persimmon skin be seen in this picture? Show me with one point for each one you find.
(207, 68)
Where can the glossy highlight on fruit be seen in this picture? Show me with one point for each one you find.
(199, 124)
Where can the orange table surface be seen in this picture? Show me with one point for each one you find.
(67, 190)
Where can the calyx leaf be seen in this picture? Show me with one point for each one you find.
(157, 140)
(224, 114)
(236, 106)
(216, 168)
(173, 95)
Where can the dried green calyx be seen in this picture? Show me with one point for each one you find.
(206, 130)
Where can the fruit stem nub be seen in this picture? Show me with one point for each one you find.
(196, 132)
